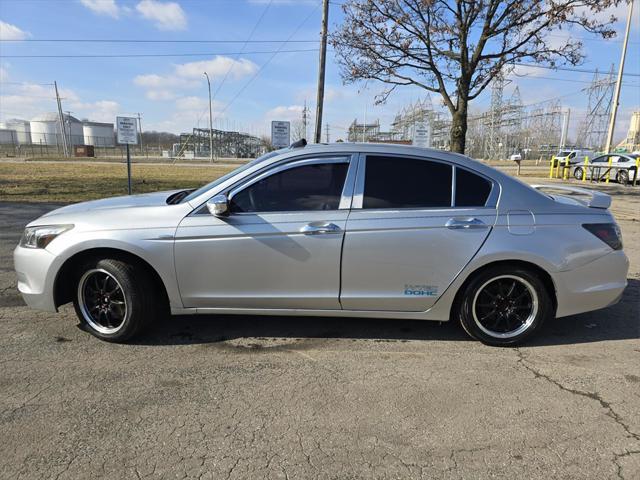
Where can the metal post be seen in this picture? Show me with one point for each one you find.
(128, 170)
(210, 121)
(323, 60)
(616, 95)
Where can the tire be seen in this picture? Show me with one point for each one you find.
(113, 299)
(519, 297)
(623, 177)
(577, 173)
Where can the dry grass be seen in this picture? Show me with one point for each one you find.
(71, 182)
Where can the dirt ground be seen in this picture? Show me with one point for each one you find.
(258, 397)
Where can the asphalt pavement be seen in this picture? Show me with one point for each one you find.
(302, 398)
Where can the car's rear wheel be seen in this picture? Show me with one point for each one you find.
(503, 306)
(114, 299)
(623, 177)
(577, 173)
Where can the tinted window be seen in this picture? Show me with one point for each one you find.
(308, 187)
(396, 182)
(471, 190)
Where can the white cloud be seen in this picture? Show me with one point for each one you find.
(11, 32)
(102, 7)
(165, 15)
(100, 111)
(29, 99)
(191, 75)
(287, 113)
(217, 67)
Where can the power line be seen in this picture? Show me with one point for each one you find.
(264, 65)
(136, 40)
(140, 55)
(253, 30)
(568, 69)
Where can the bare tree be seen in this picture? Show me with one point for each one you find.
(456, 47)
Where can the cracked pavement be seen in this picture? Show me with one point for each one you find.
(259, 397)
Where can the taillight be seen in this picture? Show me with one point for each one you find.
(609, 233)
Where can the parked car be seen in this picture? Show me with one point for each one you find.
(625, 167)
(346, 230)
(574, 156)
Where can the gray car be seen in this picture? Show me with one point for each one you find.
(349, 230)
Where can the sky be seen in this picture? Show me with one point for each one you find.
(252, 83)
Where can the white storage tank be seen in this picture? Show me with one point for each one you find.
(7, 136)
(45, 129)
(21, 127)
(98, 134)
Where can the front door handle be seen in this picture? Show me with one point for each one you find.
(317, 228)
(465, 223)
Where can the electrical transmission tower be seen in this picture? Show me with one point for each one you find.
(326, 129)
(305, 120)
(593, 129)
(492, 141)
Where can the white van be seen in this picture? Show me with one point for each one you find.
(574, 156)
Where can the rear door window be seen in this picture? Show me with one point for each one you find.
(401, 182)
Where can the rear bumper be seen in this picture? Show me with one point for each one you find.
(593, 286)
(35, 271)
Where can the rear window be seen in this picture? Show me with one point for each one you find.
(399, 182)
(471, 190)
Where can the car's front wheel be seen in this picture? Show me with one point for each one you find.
(114, 299)
(504, 305)
(577, 173)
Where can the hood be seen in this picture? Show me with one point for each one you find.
(129, 201)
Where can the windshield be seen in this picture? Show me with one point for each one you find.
(564, 154)
(218, 181)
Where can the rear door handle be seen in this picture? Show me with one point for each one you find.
(318, 228)
(465, 223)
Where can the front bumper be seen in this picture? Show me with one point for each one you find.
(36, 268)
(593, 286)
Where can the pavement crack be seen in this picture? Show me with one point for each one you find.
(616, 461)
(591, 395)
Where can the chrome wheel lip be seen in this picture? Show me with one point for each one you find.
(84, 308)
(528, 321)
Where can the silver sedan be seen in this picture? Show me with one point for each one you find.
(346, 230)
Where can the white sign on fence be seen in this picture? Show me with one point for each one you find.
(422, 134)
(280, 134)
(127, 128)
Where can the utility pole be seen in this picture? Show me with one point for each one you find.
(140, 131)
(323, 60)
(616, 95)
(210, 121)
(326, 129)
(63, 129)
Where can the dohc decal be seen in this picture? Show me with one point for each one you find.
(421, 290)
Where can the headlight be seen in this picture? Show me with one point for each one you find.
(41, 236)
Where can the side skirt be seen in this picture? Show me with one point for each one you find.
(305, 313)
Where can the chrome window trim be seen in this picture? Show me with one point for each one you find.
(358, 193)
(339, 157)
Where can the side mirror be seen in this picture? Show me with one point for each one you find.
(218, 206)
